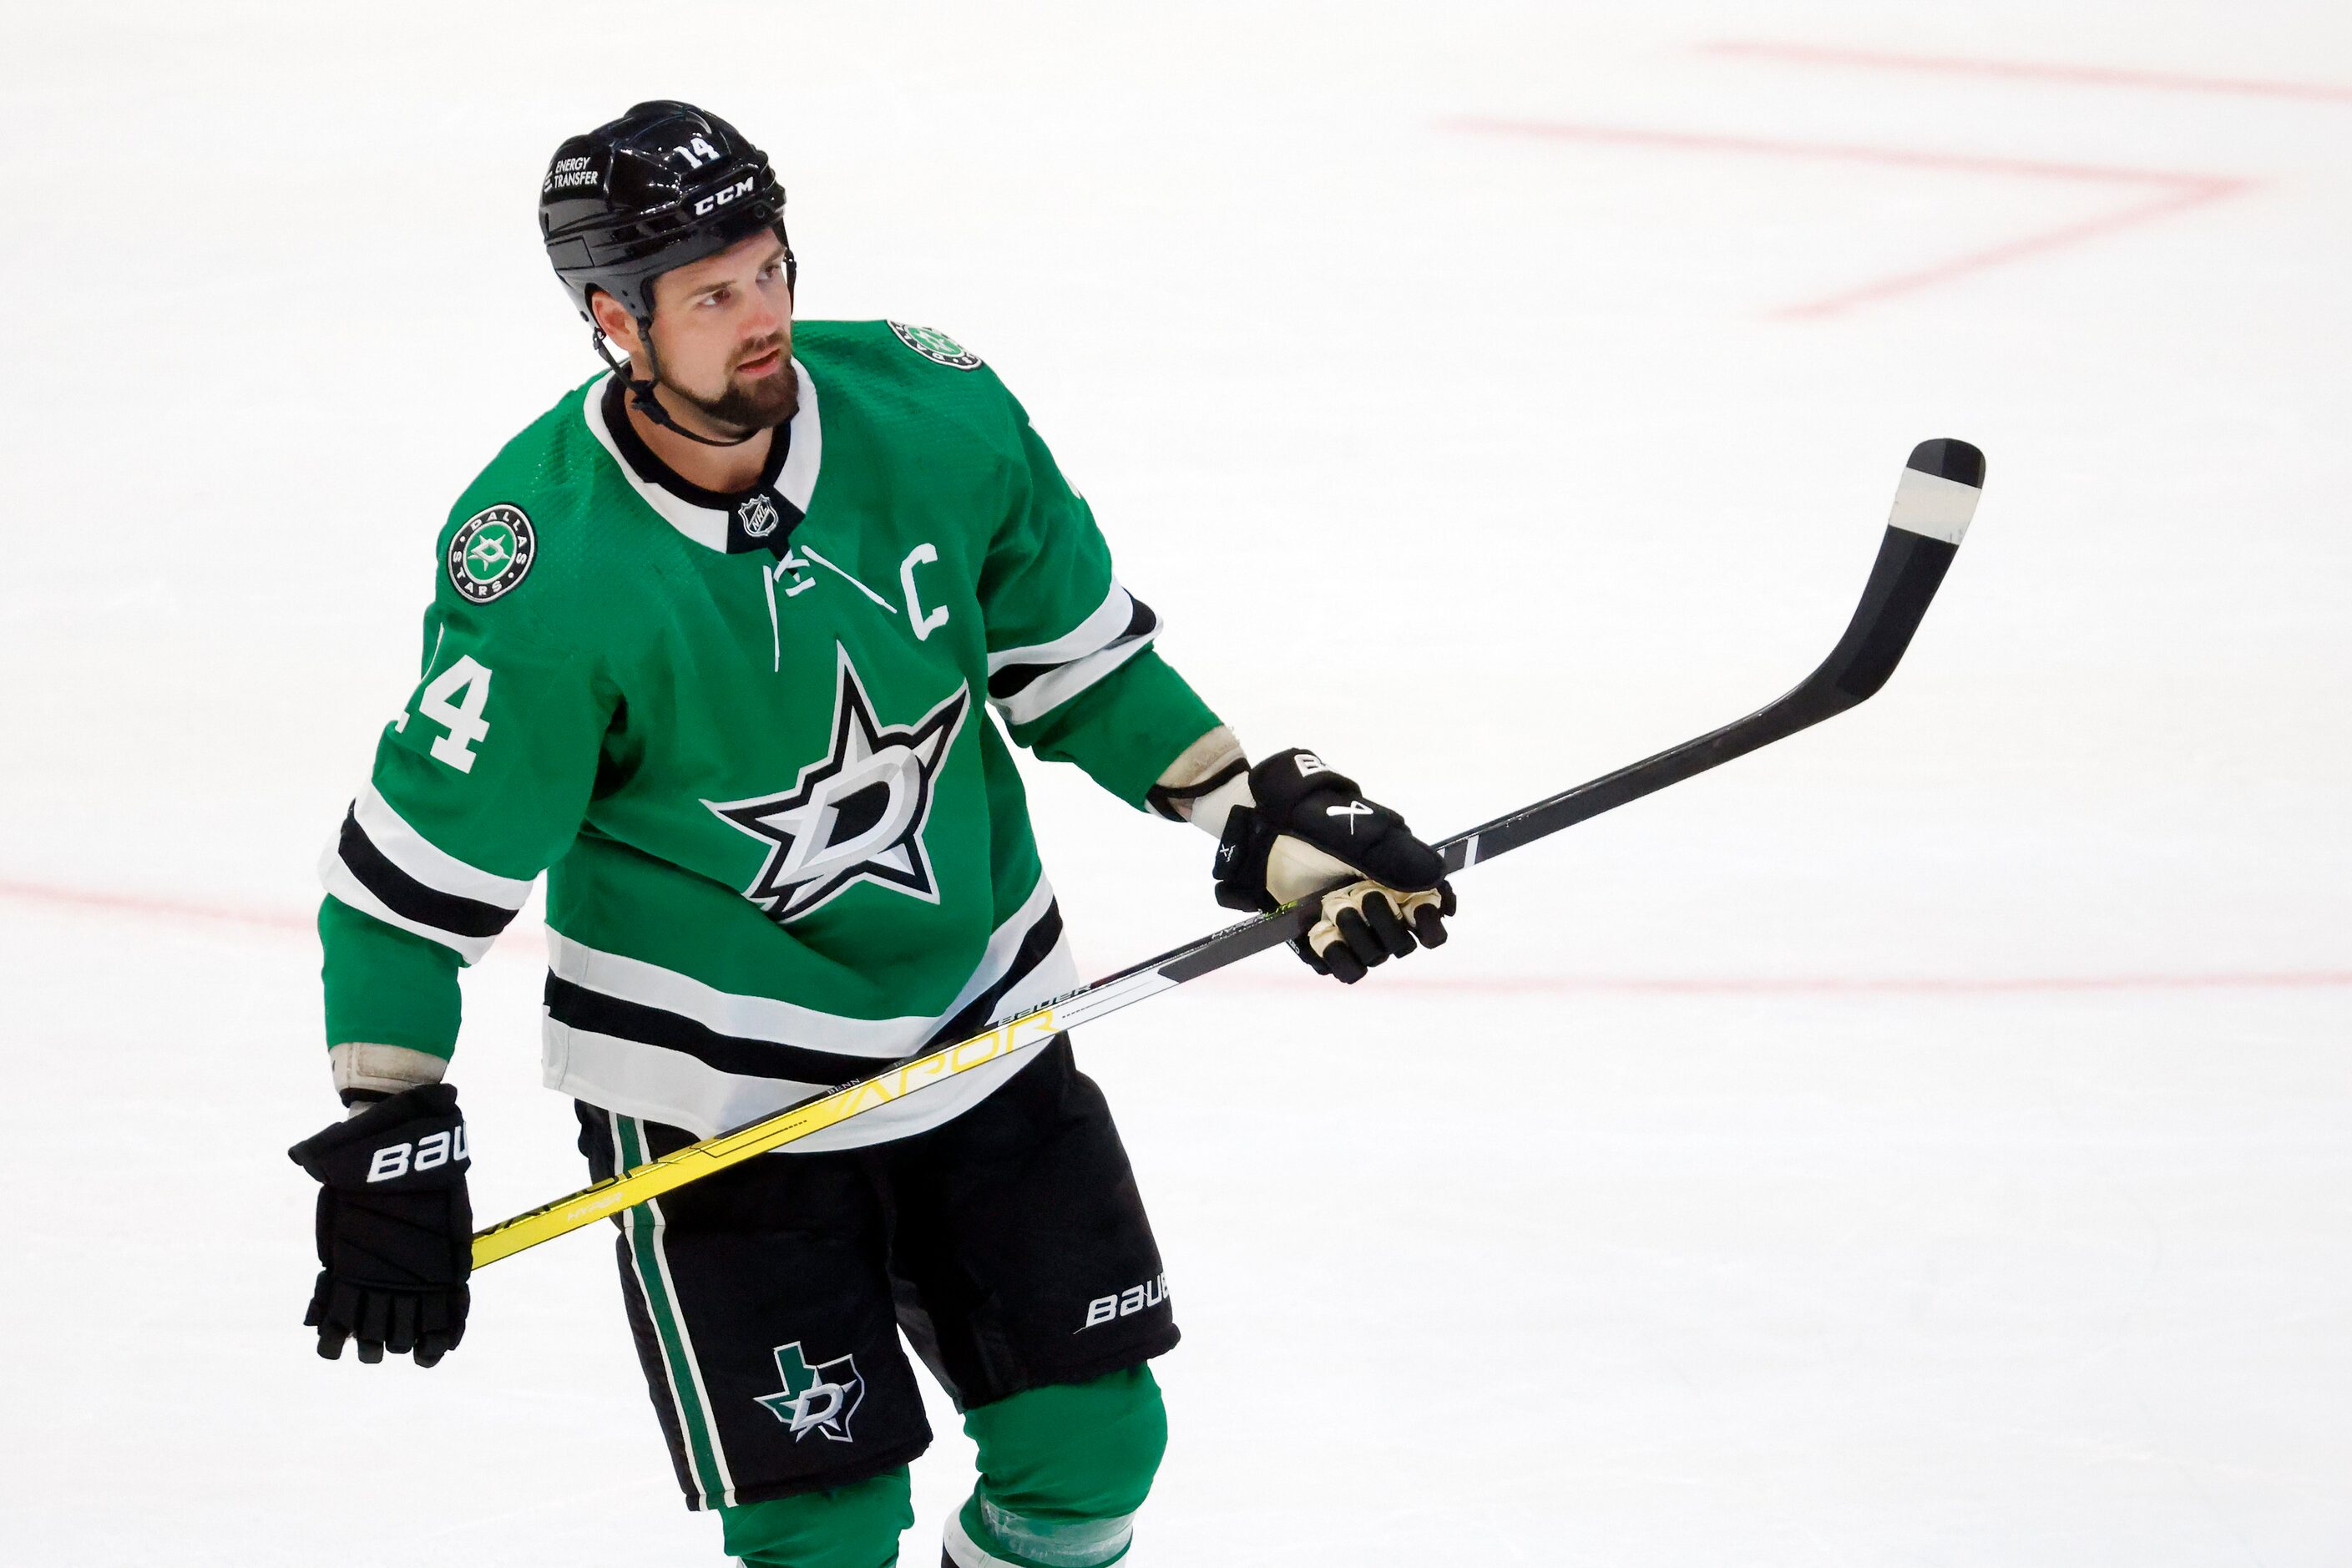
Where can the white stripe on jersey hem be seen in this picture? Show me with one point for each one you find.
(1055, 686)
(338, 880)
(659, 1085)
(662, 1085)
(707, 526)
(1004, 947)
(726, 1012)
(425, 861)
(787, 1023)
(1108, 620)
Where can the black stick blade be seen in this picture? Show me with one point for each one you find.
(1949, 460)
(1934, 501)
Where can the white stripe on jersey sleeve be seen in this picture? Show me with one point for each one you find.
(338, 880)
(427, 862)
(1109, 619)
(1057, 686)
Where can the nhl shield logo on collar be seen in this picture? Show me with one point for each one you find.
(491, 552)
(759, 517)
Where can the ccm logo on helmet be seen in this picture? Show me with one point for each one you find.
(429, 1152)
(741, 187)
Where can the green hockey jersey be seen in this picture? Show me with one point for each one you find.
(745, 736)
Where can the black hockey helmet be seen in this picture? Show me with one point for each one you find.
(664, 184)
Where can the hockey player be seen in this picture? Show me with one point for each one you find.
(710, 645)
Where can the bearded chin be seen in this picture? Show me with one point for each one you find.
(761, 404)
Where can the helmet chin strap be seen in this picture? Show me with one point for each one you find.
(641, 391)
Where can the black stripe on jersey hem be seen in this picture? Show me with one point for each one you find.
(578, 1008)
(407, 897)
(1013, 679)
(649, 468)
(981, 1011)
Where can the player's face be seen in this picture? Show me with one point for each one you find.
(723, 332)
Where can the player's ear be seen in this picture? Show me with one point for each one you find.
(615, 323)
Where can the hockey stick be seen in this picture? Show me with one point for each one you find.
(1933, 504)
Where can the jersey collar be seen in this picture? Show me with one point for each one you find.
(759, 517)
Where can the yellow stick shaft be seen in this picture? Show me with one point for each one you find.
(713, 1155)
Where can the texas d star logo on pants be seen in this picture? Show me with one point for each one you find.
(820, 1398)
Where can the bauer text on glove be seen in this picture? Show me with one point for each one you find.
(396, 1229)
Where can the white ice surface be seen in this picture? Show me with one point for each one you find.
(1924, 1142)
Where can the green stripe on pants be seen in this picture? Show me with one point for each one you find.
(646, 1224)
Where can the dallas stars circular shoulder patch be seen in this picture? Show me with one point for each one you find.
(935, 346)
(491, 552)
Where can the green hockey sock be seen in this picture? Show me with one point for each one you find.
(850, 1527)
(1062, 1470)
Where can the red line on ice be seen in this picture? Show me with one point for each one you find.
(151, 907)
(1900, 157)
(1830, 984)
(2026, 70)
(2014, 250)
(180, 911)
(2178, 192)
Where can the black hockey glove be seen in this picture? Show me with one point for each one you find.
(1310, 827)
(396, 1230)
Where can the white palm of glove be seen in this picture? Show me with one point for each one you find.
(1295, 869)
(1363, 918)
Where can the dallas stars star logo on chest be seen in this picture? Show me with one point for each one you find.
(855, 814)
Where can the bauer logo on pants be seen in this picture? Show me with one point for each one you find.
(491, 552)
(1126, 1304)
(820, 1398)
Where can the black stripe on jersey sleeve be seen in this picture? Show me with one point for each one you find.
(404, 896)
(578, 1008)
(1011, 680)
(977, 1014)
